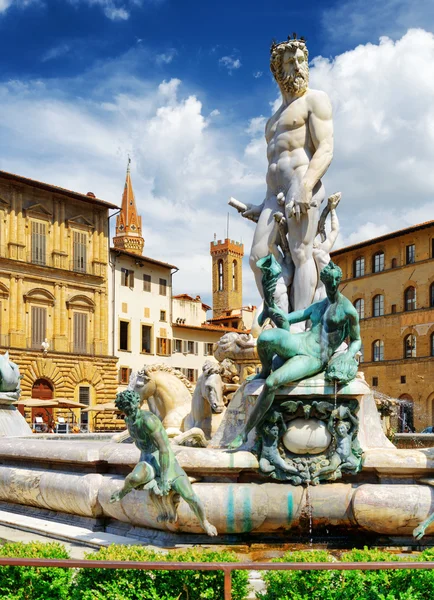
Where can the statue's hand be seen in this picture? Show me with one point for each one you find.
(419, 532)
(253, 212)
(165, 487)
(300, 205)
(115, 497)
(278, 317)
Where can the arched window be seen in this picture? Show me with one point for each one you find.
(431, 295)
(359, 305)
(359, 267)
(410, 298)
(378, 305)
(378, 350)
(405, 418)
(378, 262)
(361, 354)
(410, 346)
(394, 263)
(220, 272)
(432, 344)
(234, 276)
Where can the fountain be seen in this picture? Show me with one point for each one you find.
(300, 443)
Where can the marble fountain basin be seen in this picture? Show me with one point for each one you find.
(387, 498)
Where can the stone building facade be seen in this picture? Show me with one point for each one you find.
(390, 280)
(54, 292)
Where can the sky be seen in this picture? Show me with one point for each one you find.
(184, 88)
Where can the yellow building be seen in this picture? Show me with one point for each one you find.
(53, 293)
(390, 280)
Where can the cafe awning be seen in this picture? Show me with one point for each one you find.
(104, 407)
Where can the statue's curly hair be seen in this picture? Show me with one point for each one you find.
(326, 273)
(127, 399)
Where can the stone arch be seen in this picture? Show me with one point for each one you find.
(81, 301)
(42, 368)
(40, 295)
(84, 372)
(4, 291)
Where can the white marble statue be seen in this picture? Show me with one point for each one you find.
(299, 149)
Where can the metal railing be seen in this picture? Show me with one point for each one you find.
(227, 568)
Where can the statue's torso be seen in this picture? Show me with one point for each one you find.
(289, 145)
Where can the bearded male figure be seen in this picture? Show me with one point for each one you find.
(299, 149)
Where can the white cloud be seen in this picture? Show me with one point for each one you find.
(165, 57)
(230, 63)
(115, 10)
(56, 52)
(257, 74)
(383, 101)
(358, 20)
(6, 4)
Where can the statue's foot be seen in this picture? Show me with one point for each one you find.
(237, 442)
(419, 532)
(210, 529)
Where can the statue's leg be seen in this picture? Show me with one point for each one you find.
(273, 342)
(183, 487)
(301, 235)
(140, 475)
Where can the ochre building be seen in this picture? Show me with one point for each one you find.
(54, 293)
(390, 281)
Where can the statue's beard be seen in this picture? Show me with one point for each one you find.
(295, 84)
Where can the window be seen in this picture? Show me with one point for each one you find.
(361, 354)
(146, 282)
(146, 339)
(124, 335)
(378, 350)
(403, 379)
(393, 309)
(80, 333)
(359, 267)
(378, 305)
(124, 375)
(162, 315)
(410, 254)
(359, 305)
(84, 398)
(39, 243)
(375, 382)
(410, 298)
(405, 417)
(39, 326)
(394, 263)
(220, 275)
(431, 295)
(177, 346)
(163, 347)
(163, 287)
(208, 348)
(79, 252)
(127, 278)
(432, 344)
(410, 346)
(234, 276)
(378, 262)
(192, 375)
(432, 248)
(234, 324)
(192, 347)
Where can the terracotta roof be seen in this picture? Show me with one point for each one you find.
(138, 258)
(56, 189)
(191, 299)
(382, 238)
(206, 327)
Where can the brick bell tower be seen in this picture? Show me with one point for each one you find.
(128, 223)
(227, 276)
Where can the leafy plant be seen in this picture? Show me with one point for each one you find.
(34, 583)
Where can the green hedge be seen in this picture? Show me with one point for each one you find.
(31, 583)
(401, 584)
(105, 584)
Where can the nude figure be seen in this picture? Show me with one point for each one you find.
(306, 353)
(321, 249)
(300, 149)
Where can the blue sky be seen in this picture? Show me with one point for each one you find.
(184, 87)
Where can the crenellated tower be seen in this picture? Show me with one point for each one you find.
(227, 283)
(128, 222)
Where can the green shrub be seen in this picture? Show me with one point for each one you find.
(302, 585)
(400, 584)
(129, 584)
(34, 583)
